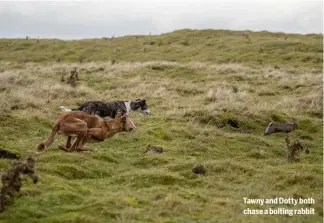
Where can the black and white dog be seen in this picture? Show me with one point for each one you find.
(109, 110)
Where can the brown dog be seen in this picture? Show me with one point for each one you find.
(84, 127)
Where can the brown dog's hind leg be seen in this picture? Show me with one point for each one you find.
(74, 127)
(84, 149)
(61, 147)
(68, 144)
(74, 147)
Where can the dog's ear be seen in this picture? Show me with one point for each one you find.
(119, 113)
(123, 112)
(144, 101)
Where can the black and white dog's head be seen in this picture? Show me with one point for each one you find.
(135, 105)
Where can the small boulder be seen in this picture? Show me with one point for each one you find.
(4, 154)
(15, 107)
(154, 149)
(233, 123)
(200, 169)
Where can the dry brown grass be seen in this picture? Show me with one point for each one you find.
(255, 91)
(32, 94)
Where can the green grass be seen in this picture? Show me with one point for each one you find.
(191, 99)
(215, 46)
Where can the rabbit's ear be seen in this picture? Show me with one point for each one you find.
(268, 129)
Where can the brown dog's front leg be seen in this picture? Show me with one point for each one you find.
(95, 133)
(82, 148)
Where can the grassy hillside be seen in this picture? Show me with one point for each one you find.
(216, 46)
(190, 99)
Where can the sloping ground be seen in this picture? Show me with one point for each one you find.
(217, 46)
(119, 183)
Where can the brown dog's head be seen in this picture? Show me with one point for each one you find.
(124, 123)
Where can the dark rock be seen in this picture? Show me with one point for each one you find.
(233, 123)
(200, 169)
(15, 107)
(4, 154)
(154, 149)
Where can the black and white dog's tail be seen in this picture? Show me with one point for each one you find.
(64, 109)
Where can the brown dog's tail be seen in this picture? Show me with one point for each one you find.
(48, 142)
